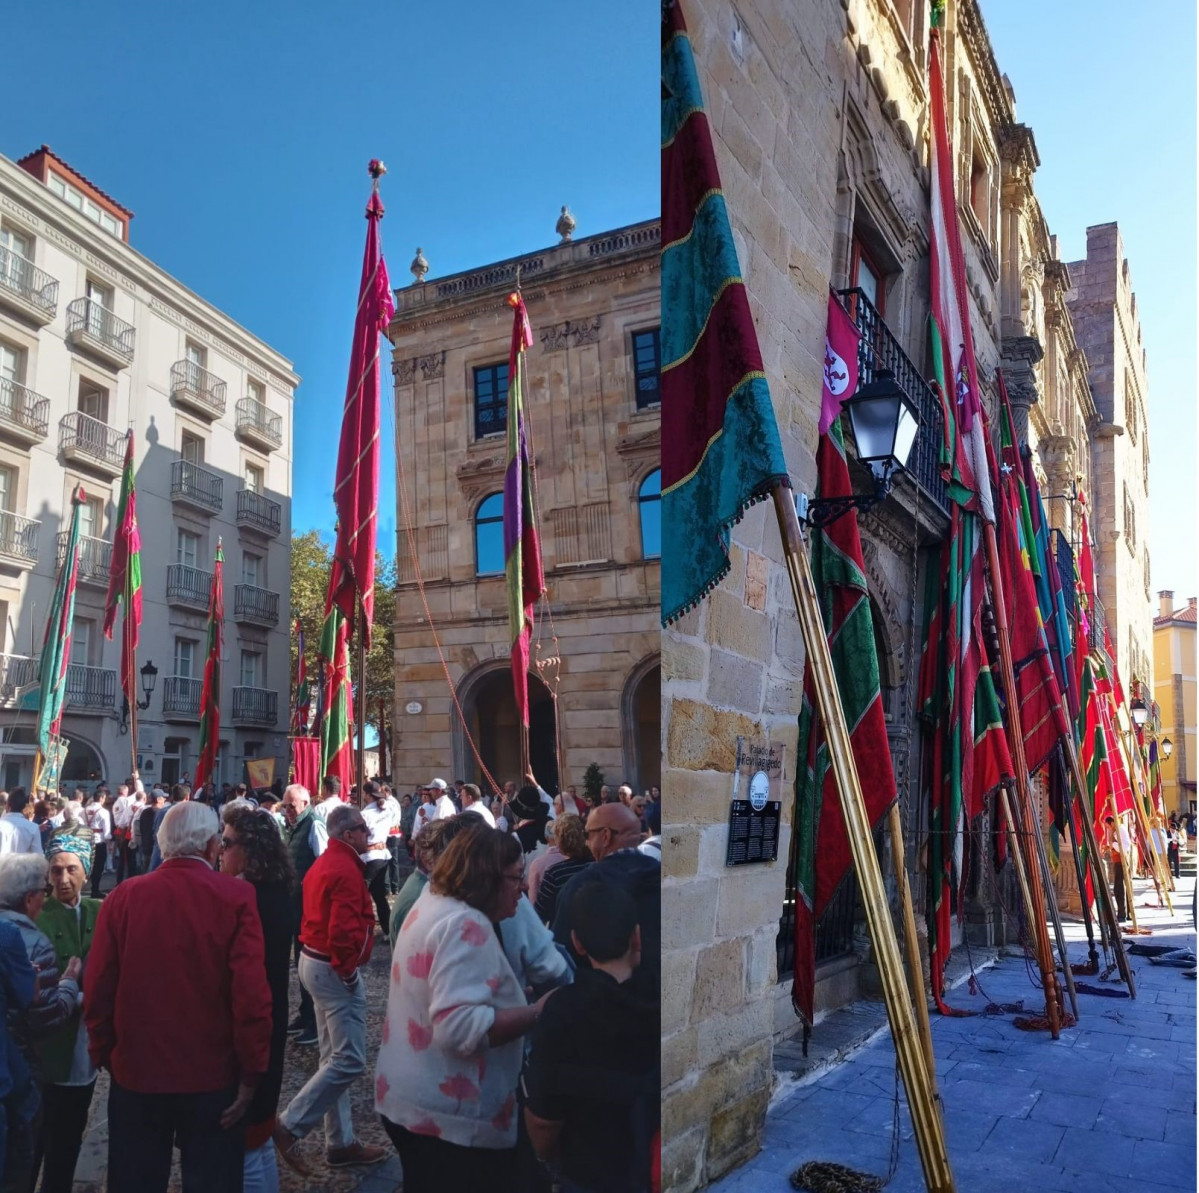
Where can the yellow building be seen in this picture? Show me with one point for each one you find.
(1174, 690)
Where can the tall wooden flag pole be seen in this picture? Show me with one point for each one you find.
(1036, 888)
(1132, 762)
(911, 1054)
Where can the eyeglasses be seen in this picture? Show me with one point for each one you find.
(601, 829)
(228, 843)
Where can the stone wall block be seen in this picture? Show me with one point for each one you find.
(682, 1160)
(680, 1055)
(680, 852)
(734, 682)
(719, 979)
(745, 893)
(689, 912)
(735, 1132)
(704, 738)
(678, 984)
(738, 628)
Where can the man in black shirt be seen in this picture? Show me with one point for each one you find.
(592, 1099)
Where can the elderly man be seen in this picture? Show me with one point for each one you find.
(613, 836)
(336, 938)
(178, 1009)
(18, 833)
(330, 799)
(304, 843)
(444, 805)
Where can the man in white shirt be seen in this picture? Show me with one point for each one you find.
(380, 816)
(125, 807)
(330, 799)
(444, 805)
(102, 830)
(472, 801)
(18, 833)
(426, 813)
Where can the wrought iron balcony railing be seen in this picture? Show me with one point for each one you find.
(18, 537)
(1065, 565)
(181, 695)
(256, 605)
(194, 484)
(21, 408)
(86, 316)
(95, 557)
(91, 687)
(80, 434)
(255, 706)
(198, 387)
(21, 277)
(16, 672)
(878, 349)
(188, 586)
(258, 512)
(255, 421)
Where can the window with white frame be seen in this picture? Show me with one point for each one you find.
(185, 658)
(12, 364)
(75, 198)
(191, 448)
(91, 517)
(256, 391)
(16, 257)
(187, 548)
(251, 668)
(251, 569)
(82, 637)
(93, 400)
(8, 488)
(255, 481)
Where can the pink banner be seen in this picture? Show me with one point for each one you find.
(306, 755)
(840, 363)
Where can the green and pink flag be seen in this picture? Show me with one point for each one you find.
(125, 577)
(522, 549)
(56, 649)
(210, 694)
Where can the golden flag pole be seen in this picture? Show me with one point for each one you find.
(911, 1055)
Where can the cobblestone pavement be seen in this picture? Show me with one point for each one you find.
(1110, 1106)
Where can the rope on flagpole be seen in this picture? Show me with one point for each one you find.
(420, 585)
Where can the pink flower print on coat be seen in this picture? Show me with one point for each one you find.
(503, 1120)
(474, 933)
(461, 1088)
(410, 918)
(386, 1030)
(426, 1126)
(494, 984)
(395, 974)
(419, 964)
(419, 1037)
(382, 1086)
(482, 1062)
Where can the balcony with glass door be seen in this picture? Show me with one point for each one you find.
(258, 426)
(94, 329)
(195, 486)
(89, 443)
(197, 389)
(90, 689)
(24, 415)
(181, 698)
(255, 606)
(255, 706)
(26, 290)
(188, 587)
(95, 558)
(258, 513)
(18, 540)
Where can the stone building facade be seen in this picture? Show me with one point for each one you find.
(95, 339)
(820, 120)
(592, 407)
(1174, 690)
(1103, 308)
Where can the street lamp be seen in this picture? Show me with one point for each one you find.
(885, 422)
(1140, 712)
(149, 674)
(1167, 747)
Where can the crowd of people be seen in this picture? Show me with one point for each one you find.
(519, 1048)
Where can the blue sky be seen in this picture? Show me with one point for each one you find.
(1110, 96)
(239, 135)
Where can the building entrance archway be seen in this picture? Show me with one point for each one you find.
(641, 724)
(489, 707)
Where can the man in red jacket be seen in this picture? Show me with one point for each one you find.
(178, 1010)
(336, 935)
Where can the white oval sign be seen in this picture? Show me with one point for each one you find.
(759, 789)
(413, 707)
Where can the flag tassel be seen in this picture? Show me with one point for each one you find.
(911, 1053)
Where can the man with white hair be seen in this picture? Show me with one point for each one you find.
(178, 1010)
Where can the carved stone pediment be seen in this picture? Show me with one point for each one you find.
(637, 447)
(481, 474)
(562, 335)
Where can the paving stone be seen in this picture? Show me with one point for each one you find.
(1132, 1117)
(1024, 1139)
(1167, 1163)
(1090, 1152)
(1067, 1110)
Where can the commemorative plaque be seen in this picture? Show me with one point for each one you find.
(757, 804)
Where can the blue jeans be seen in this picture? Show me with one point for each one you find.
(261, 1170)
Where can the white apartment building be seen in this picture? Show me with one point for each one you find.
(95, 339)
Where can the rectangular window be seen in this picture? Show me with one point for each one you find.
(100, 294)
(491, 400)
(256, 392)
(75, 198)
(185, 658)
(8, 489)
(93, 400)
(91, 517)
(647, 367)
(81, 641)
(12, 362)
(251, 569)
(16, 242)
(191, 448)
(865, 275)
(187, 548)
(250, 663)
(254, 479)
(195, 355)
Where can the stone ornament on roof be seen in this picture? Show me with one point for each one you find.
(419, 265)
(565, 227)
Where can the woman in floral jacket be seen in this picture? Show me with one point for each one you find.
(448, 1066)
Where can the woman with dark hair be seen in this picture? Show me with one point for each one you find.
(445, 1083)
(253, 850)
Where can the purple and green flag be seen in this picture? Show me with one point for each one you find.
(210, 694)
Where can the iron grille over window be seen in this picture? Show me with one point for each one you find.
(647, 366)
(491, 399)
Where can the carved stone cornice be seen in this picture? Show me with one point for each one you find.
(432, 366)
(557, 337)
(1018, 152)
(986, 69)
(1058, 454)
(404, 371)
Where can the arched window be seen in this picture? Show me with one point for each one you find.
(489, 536)
(649, 501)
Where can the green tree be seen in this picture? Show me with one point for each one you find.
(311, 561)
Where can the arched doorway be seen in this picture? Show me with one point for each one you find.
(82, 765)
(489, 706)
(641, 722)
